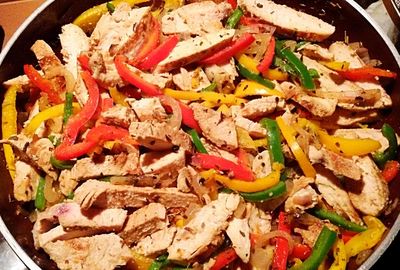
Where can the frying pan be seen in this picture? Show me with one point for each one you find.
(45, 23)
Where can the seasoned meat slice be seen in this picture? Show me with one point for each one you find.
(156, 243)
(261, 107)
(200, 231)
(342, 52)
(349, 95)
(75, 222)
(224, 75)
(163, 163)
(25, 182)
(239, 232)
(73, 42)
(289, 21)
(346, 118)
(106, 195)
(301, 200)
(218, 129)
(148, 109)
(335, 195)
(196, 18)
(99, 252)
(121, 164)
(71, 216)
(321, 107)
(193, 80)
(317, 52)
(118, 115)
(255, 129)
(159, 136)
(143, 222)
(40, 152)
(372, 194)
(194, 49)
(259, 221)
(335, 162)
(262, 164)
(45, 55)
(113, 31)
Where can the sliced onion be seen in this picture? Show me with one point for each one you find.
(49, 193)
(261, 258)
(60, 71)
(265, 238)
(176, 120)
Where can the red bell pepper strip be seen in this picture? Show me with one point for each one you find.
(245, 20)
(347, 235)
(225, 54)
(207, 162)
(366, 73)
(391, 170)
(133, 78)
(77, 121)
(224, 258)
(93, 138)
(281, 245)
(83, 60)
(301, 251)
(233, 3)
(188, 117)
(44, 85)
(268, 56)
(150, 43)
(160, 53)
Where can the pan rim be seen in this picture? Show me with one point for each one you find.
(30, 264)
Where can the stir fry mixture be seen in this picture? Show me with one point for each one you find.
(201, 135)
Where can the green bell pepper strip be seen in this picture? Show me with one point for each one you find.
(110, 7)
(324, 243)
(274, 140)
(234, 18)
(265, 195)
(210, 88)
(197, 142)
(68, 108)
(298, 66)
(40, 200)
(337, 220)
(71, 195)
(254, 77)
(391, 152)
(159, 263)
(60, 164)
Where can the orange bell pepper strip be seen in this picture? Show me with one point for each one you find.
(366, 73)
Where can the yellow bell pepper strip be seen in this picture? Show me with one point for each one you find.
(336, 65)
(348, 147)
(288, 133)
(261, 142)
(339, 252)
(216, 98)
(9, 125)
(140, 262)
(275, 75)
(52, 112)
(89, 18)
(118, 97)
(367, 239)
(247, 62)
(224, 109)
(244, 139)
(250, 88)
(259, 184)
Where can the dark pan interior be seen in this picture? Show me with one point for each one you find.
(48, 24)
